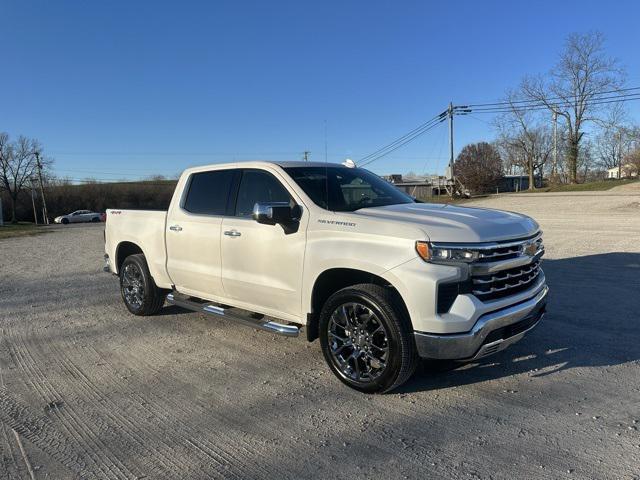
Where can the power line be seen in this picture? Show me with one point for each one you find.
(170, 154)
(602, 98)
(110, 181)
(118, 174)
(408, 140)
(403, 140)
(533, 108)
(551, 99)
(415, 130)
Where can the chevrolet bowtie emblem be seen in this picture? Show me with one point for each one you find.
(530, 249)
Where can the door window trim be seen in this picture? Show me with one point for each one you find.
(234, 204)
(235, 181)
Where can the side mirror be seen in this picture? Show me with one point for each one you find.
(272, 213)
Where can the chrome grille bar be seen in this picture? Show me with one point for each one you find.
(533, 268)
(508, 286)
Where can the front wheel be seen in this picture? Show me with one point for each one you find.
(366, 338)
(139, 292)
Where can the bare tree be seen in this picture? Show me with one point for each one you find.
(524, 140)
(632, 162)
(17, 166)
(587, 163)
(479, 167)
(614, 139)
(583, 74)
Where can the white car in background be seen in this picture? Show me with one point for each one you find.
(79, 216)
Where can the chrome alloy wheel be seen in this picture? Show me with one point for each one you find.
(358, 342)
(133, 285)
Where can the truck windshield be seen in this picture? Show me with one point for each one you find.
(343, 189)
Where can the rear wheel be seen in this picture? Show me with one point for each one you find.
(95, 219)
(139, 292)
(366, 338)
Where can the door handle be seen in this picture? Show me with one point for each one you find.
(232, 233)
(175, 228)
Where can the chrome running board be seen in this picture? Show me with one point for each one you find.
(243, 316)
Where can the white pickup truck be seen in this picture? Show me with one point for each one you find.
(380, 278)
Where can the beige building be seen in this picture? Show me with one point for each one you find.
(627, 171)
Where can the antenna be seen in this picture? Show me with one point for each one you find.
(326, 156)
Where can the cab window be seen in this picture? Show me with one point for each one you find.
(258, 186)
(209, 192)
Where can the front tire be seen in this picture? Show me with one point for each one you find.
(367, 339)
(65, 221)
(139, 292)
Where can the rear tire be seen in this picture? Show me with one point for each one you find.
(139, 292)
(95, 219)
(367, 339)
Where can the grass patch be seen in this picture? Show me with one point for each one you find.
(20, 230)
(585, 187)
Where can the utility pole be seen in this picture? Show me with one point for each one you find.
(44, 203)
(33, 202)
(619, 153)
(450, 113)
(554, 166)
(1, 216)
(306, 155)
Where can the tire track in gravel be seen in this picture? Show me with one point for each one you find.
(9, 462)
(144, 407)
(100, 406)
(160, 455)
(42, 433)
(382, 433)
(86, 439)
(384, 427)
(225, 451)
(8, 459)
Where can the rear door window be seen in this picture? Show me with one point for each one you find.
(209, 192)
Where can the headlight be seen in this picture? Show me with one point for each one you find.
(429, 253)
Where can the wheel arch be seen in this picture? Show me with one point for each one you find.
(123, 250)
(333, 279)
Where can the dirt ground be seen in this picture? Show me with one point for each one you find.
(93, 392)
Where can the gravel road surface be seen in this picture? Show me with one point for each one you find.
(93, 392)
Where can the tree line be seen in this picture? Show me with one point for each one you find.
(22, 197)
(561, 126)
(567, 126)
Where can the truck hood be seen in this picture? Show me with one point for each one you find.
(450, 223)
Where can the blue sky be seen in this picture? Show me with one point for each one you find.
(129, 89)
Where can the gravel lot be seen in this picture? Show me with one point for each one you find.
(93, 392)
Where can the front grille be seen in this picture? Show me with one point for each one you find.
(505, 282)
(499, 253)
(496, 269)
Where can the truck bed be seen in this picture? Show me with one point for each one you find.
(145, 228)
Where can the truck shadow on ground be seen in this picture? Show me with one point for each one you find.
(593, 320)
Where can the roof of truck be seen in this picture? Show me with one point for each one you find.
(258, 163)
(286, 164)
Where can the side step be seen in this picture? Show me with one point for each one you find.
(242, 316)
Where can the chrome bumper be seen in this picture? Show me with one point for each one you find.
(492, 332)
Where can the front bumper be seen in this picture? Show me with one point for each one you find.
(491, 333)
